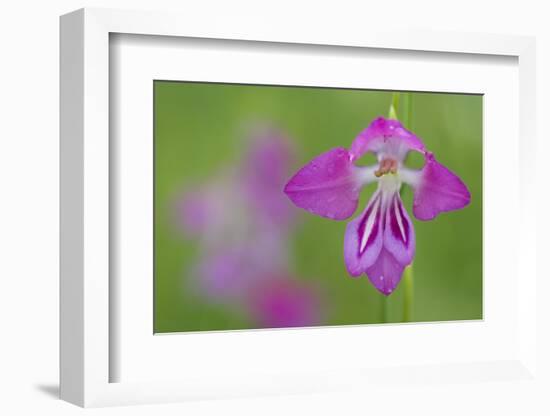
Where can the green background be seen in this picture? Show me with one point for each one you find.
(198, 131)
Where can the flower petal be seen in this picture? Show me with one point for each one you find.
(386, 137)
(438, 190)
(364, 237)
(399, 237)
(327, 186)
(385, 274)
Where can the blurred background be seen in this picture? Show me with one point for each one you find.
(232, 253)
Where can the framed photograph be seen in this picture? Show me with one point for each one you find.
(262, 211)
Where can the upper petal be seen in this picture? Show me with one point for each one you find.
(438, 190)
(327, 186)
(387, 137)
(364, 237)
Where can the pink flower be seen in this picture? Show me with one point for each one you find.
(379, 242)
(284, 302)
(240, 219)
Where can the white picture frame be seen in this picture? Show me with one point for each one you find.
(87, 301)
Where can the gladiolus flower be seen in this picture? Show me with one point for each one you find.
(380, 242)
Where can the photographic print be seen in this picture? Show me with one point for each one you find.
(288, 206)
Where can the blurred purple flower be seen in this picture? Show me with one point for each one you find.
(284, 302)
(220, 275)
(226, 272)
(195, 211)
(264, 173)
(380, 242)
(241, 219)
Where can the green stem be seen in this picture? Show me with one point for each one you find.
(385, 309)
(394, 106)
(408, 300)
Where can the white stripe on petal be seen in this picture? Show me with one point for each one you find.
(370, 224)
(399, 219)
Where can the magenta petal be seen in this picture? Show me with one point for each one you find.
(399, 237)
(439, 190)
(386, 272)
(364, 238)
(385, 136)
(326, 186)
